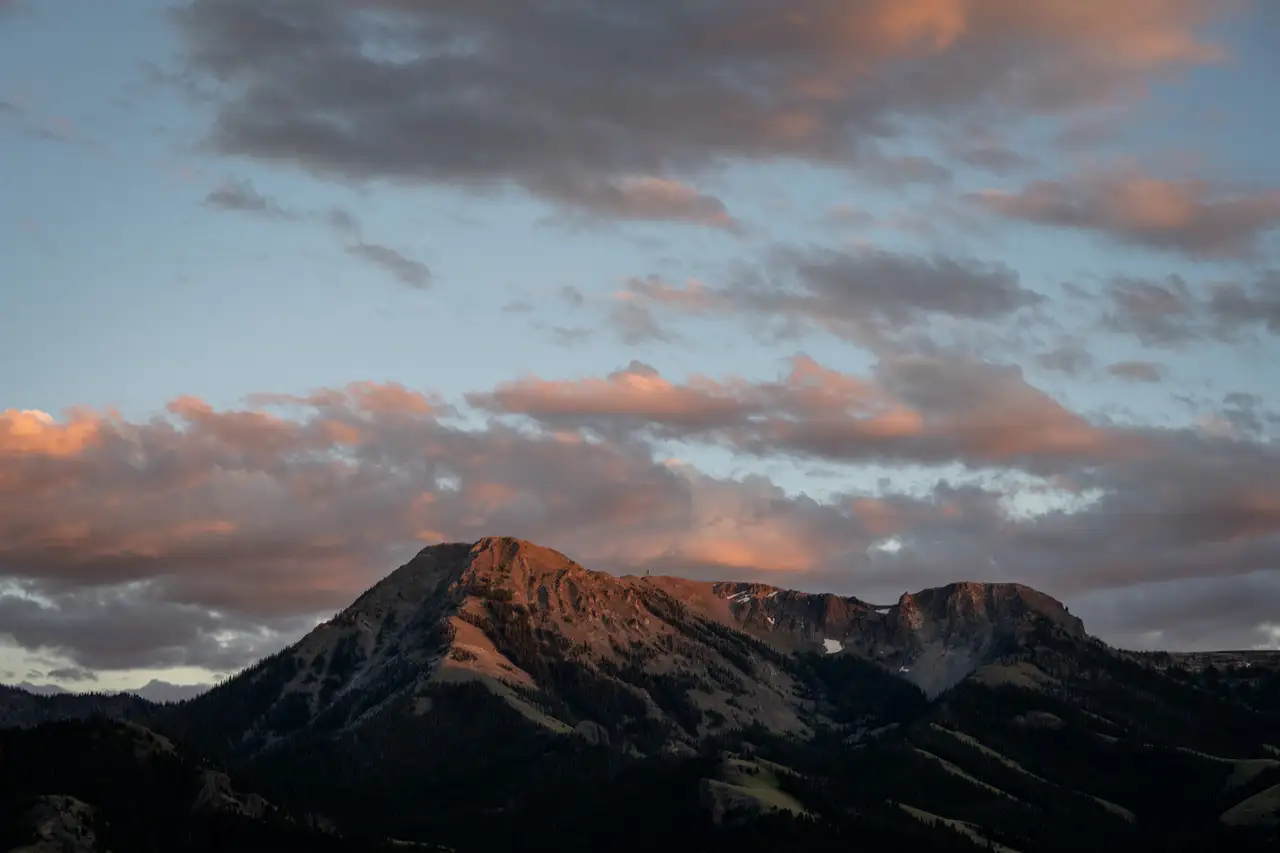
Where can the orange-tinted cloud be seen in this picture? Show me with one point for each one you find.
(28, 431)
(644, 197)
(915, 410)
(549, 105)
(208, 521)
(1188, 216)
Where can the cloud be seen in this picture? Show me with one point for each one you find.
(343, 221)
(410, 272)
(239, 195)
(857, 295)
(848, 215)
(553, 97)
(921, 410)
(1187, 216)
(72, 673)
(205, 537)
(645, 198)
(990, 155)
(1173, 312)
(903, 171)
(1137, 371)
(123, 628)
(1248, 414)
(1070, 357)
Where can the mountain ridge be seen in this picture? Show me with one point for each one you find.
(494, 690)
(531, 625)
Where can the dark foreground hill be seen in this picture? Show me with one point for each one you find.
(497, 694)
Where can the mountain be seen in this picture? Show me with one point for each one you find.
(683, 659)
(96, 785)
(497, 692)
(162, 692)
(22, 708)
(25, 705)
(40, 689)
(153, 691)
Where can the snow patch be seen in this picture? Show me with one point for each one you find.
(772, 594)
(832, 646)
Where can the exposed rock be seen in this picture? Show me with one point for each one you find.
(1038, 720)
(217, 795)
(693, 658)
(62, 825)
(593, 732)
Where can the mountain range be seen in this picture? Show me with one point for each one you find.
(495, 694)
(154, 690)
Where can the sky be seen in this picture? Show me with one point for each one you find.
(859, 297)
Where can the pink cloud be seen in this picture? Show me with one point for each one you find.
(239, 517)
(922, 410)
(1125, 204)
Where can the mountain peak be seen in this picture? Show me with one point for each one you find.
(526, 621)
(995, 601)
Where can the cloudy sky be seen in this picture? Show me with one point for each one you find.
(849, 295)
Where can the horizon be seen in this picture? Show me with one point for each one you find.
(852, 298)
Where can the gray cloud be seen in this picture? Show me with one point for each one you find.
(119, 628)
(343, 221)
(1188, 216)
(410, 272)
(1137, 371)
(635, 324)
(644, 199)
(1216, 613)
(73, 673)
(865, 295)
(240, 195)
(848, 215)
(903, 171)
(1172, 312)
(994, 158)
(557, 97)
(1248, 414)
(1069, 357)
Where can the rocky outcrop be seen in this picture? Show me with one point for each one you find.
(61, 825)
(218, 795)
(545, 634)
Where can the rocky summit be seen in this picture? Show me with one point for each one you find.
(693, 659)
(498, 693)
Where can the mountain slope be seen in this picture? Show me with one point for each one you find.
(498, 690)
(98, 785)
(676, 660)
(20, 708)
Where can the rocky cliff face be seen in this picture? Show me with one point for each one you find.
(655, 663)
(933, 638)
